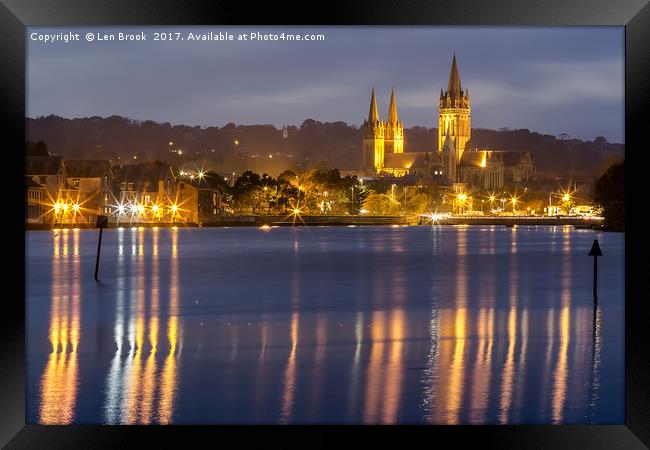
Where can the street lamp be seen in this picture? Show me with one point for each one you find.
(492, 199)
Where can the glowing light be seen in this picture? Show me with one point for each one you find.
(265, 227)
(182, 173)
(141, 209)
(566, 197)
(462, 197)
(154, 208)
(236, 141)
(57, 207)
(120, 209)
(180, 152)
(174, 208)
(76, 207)
(65, 207)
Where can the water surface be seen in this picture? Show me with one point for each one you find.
(441, 325)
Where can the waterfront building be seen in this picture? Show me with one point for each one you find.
(199, 200)
(36, 209)
(452, 161)
(49, 171)
(90, 184)
(143, 191)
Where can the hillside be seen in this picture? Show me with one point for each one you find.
(312, 144)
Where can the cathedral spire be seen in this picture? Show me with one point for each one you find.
(392, 109)
(373, 115)
(454, 88)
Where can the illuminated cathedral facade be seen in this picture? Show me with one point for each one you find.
(452, 161)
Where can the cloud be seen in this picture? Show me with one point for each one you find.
(553, 84)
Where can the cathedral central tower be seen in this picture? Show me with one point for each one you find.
(454, 114)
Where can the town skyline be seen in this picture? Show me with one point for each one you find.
(556, 83)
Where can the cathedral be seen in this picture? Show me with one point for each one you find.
(452, 161)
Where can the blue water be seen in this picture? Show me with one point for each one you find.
(442, 325)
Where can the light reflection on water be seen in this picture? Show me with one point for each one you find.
(446, 325)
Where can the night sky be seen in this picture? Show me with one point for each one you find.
(550, 80)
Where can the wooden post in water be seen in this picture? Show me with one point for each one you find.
(102, 222)
(595, 252)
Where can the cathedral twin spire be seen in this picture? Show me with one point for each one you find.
(373, 114)
(384, 137)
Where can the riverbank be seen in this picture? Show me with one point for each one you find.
(346, 220)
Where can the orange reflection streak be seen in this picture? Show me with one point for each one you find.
(508, 368)
(66, 236)
(375, 366)
(168, 379)
(521, 367)
(60, 379)
(508, 373)
(482, 369)
(457, 367)
(561, 370)
(290, 373)
(548, 364)
(149, 385)
(135, 380)
(393, 375)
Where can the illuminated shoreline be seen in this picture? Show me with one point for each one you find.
(306, 220)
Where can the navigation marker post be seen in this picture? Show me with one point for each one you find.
(102, 222)
(595, 252)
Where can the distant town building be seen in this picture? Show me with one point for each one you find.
(48, 171)
(90, 185)
(453, 162)
(36, 209)
(199, 200)
(143, 192)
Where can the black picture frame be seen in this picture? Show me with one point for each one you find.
(15, 15)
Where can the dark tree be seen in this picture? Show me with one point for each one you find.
(609, 194)
(36, 148)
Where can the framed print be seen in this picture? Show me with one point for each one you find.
(386, 219)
